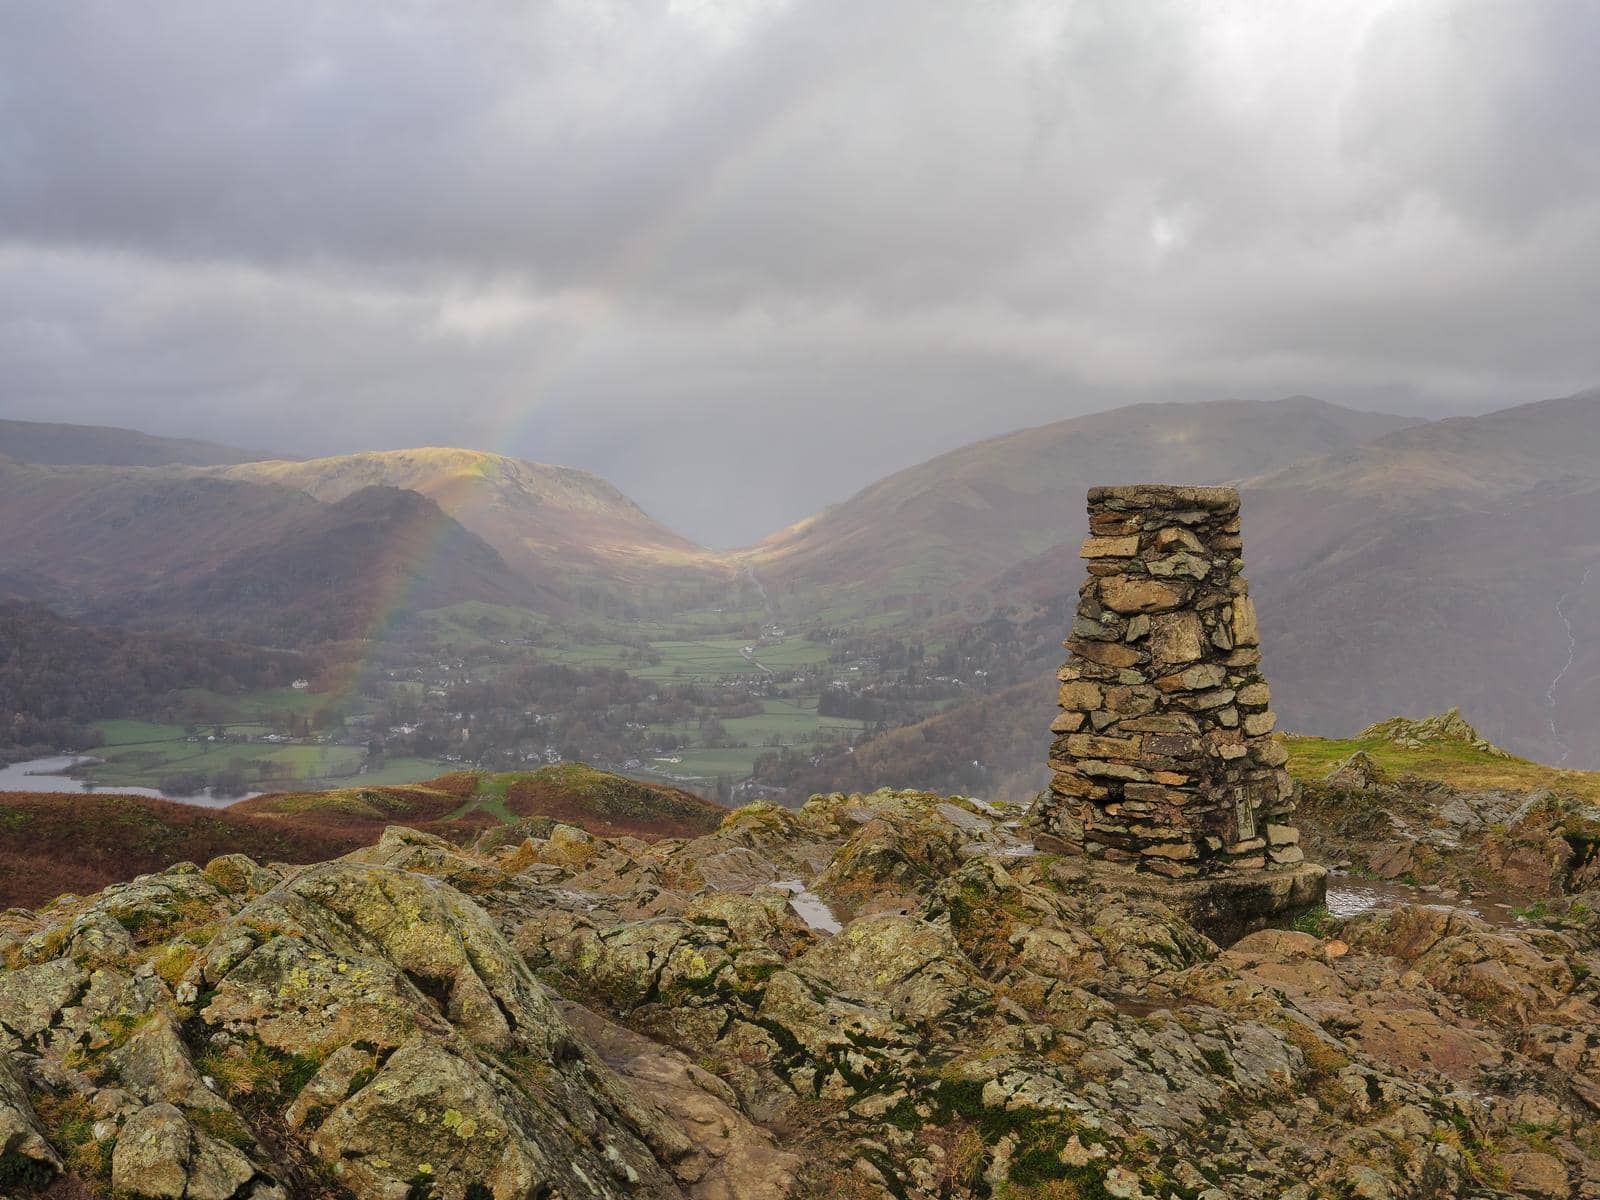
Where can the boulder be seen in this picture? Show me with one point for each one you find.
(31, 997)
(26, 1155)
(160, 1156)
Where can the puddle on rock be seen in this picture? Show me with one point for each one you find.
(809, 907)
(1128, 1005)
(1350, 897)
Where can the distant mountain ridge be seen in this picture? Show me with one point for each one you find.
(49, 443)
(545, 521)
(974, 513)
(119, 540)
(1398, 565)
(180, 549)
(304, 550)
(1444, 565)
(961, 522)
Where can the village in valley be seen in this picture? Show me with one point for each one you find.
(734, 705)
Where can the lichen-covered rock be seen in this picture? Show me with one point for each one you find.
(1448, 726)
(915, 967)
(31, 997)
(1506, 977)
(152, 1154)
(1356, 770)
(971, 1020)
(238, 874)
(336, 1080)
(1367, 1003)
(432, 1112)
(154, 1064)
(373, 960)
(1490, 842)
(160, 1156)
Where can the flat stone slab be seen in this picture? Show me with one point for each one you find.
(1167, 495)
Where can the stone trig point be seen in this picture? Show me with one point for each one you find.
(1164, 770)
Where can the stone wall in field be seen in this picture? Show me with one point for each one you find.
(1162, 756)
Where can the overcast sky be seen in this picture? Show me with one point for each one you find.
(744, 256)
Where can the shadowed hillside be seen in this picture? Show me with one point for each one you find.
(77, 533)
(238, 545)
(178, 549)
(341, 573)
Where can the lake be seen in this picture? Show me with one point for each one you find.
(45, 775)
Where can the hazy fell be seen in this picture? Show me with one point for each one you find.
(174, 548)
(549, 523)
(54, 444)
(1444, 564)
(957, 523)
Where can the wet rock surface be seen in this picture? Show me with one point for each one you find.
(575, 1017)
(1499, 845)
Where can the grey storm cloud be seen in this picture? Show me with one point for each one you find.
(744, 256)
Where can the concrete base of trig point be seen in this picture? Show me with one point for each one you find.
(1223, 907)
(1165, 775)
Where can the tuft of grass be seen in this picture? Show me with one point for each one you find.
(1316, 920)
(223, 1125)
(69, 1122)
(260, 1078)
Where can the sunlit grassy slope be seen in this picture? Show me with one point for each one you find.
(1456, 763)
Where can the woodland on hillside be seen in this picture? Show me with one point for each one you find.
(56, 676)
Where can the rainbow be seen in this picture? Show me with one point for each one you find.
(398, 579)
(595, 303)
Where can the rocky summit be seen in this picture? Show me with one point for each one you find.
(884, 995)
(1448, 726)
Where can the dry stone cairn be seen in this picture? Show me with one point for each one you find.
(1162, 757)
